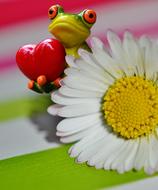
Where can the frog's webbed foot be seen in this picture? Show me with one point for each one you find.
(41, 85)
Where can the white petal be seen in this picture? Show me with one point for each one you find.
(87, 71)
(83, 83)
(123, 156)
(109, 143)
(155, 56)
(53, 109)
(115, 154)
(144, 41)
(104, 60)
(117, 51)
(97, 43)
(79, 93)
(149, 170)
(147, 45)
(147, 167)
(91, 71)
(70, 61)
(153, 151)
(78, 123)
(134, 53)
(87, 141)
(119, 155)
(64, 100)
(141, 154)
(129, 161)
(88, 58)
(79, 110)
(91, 150)
(119, 54)
(78, 130)
(87, 75)
(79, 135)
(71, 71)
(105, 156)
(115, 44)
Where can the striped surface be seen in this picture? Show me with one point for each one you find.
(25, 127)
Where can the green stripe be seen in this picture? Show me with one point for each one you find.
(26, 106)
(54, 170)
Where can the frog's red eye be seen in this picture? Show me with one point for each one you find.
(90, 16)
(53, 11)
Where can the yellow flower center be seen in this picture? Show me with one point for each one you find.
(131, 107)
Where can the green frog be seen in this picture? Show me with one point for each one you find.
(71, 30)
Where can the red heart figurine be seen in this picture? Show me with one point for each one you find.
(47, 58)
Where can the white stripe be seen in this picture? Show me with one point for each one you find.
(13, 85)
(146, 184)
(22, 136)
(122, 16)
(19, 35)
(126, 16)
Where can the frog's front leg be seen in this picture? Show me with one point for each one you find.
(42, 86)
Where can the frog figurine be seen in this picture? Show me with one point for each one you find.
(71, 30)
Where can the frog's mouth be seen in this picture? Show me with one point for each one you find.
(69, 31)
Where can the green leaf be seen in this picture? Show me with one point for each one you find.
(26, 106)
(54, 170)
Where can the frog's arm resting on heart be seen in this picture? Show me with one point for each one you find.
(71, 30)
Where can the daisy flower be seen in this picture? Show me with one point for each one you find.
(109, 99)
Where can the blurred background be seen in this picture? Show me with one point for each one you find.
(25, 126)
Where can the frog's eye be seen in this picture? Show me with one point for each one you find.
(53, 11)
(89, 16)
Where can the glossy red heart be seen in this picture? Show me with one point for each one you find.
(47, 58)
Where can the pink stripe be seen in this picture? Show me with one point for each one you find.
(152, 30)
(17, 11)
(7, 64)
